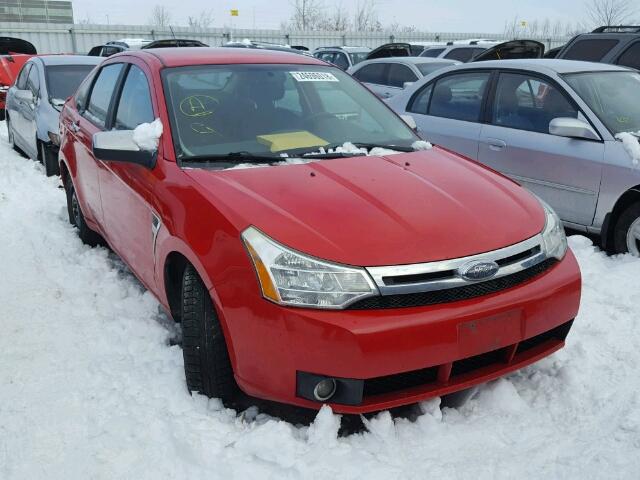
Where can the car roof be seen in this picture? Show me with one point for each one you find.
(345, 48)
(544, 65)
(185, 56)
(69, 59)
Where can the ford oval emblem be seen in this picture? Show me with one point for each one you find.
(478, 270)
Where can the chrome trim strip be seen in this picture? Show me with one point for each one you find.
(453, 265)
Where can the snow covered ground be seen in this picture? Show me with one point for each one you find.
(91, 387)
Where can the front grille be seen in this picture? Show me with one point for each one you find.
(456, 294)
(400, 381)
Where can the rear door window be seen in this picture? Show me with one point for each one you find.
(399, 75)
(432, 52)
(462, 54)
(134, 106)
(340, 61)
(590, 50)
(529, 103)
(373, 73)
(631, 57)
(459, 96)
(101, 94)
(421, 100)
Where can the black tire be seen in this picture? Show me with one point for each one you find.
(49, 160)
(207, 366)
(626, 219)
(12, 142)
(76, 218)
(3, 114)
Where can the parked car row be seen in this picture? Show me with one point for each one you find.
(237, 184)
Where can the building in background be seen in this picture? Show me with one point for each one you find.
(36, 11)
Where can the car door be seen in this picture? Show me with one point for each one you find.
(373, 76)
(28, 112)
(448, 110)
(565, 172)
(126, 189)
(15, 107)
(90, 118)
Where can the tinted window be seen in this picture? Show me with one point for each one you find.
(341, 61)
(462, 54)
(399, 74)
(459, 96)
(373, 73)
(432, 52)
(358, 57)
(631, 57)
(590, 50)
(327, 57)
(33, 80)
(21, 82)
(63, 80)
(135, 105)
(529, 103)
(101, 94)
(82, 93)
(108, 51)
(421, 100)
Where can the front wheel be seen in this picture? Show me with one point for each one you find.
(49, 160)
(627, 231)
(207, 366)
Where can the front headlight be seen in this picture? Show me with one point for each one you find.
(291, 278)
(553, 237)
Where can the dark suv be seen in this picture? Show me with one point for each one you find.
(617, 45)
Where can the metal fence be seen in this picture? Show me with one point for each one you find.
(79, 38)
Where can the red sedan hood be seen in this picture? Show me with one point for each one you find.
(369, 211)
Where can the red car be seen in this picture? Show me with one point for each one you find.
(14, 53)
(304, 271)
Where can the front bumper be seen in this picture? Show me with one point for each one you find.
(398, 356)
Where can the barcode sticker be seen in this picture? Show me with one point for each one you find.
(314, 77)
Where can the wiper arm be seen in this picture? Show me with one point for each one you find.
(233, 157)
(398, 148)
(368, 146)
(319, 155)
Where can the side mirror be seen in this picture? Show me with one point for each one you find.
(118, 146)
(572, 128)
(407, 84)
(409, 120)
(25, 96)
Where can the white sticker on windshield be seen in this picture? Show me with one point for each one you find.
(314, 77)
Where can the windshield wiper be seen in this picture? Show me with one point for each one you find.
(233, 157)
(368, 146)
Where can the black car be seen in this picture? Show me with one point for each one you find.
(174, 42)
(616, 45)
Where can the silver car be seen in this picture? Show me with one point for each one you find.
(387, 77)
(551, 125)
(34, 102)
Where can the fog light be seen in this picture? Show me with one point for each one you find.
(324, 389)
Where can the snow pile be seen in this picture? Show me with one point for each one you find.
(421, 145)
(147, 135)
(91, 387)
(631, 144)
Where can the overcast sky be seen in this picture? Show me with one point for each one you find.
(482, 16)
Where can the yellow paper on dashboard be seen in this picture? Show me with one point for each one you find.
(277, 142)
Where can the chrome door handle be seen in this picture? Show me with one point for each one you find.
(496, 144)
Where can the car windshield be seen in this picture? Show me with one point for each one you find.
(63, 80)
(608, 94)
(274, 110)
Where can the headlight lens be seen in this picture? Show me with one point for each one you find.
(291, 278)
(553, 236)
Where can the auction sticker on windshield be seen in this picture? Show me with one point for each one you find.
(314, 77)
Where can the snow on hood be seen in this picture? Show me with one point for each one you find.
(346, 147)
(630, 141)
(147, 135)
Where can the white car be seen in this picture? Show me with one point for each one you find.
(388, 76)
